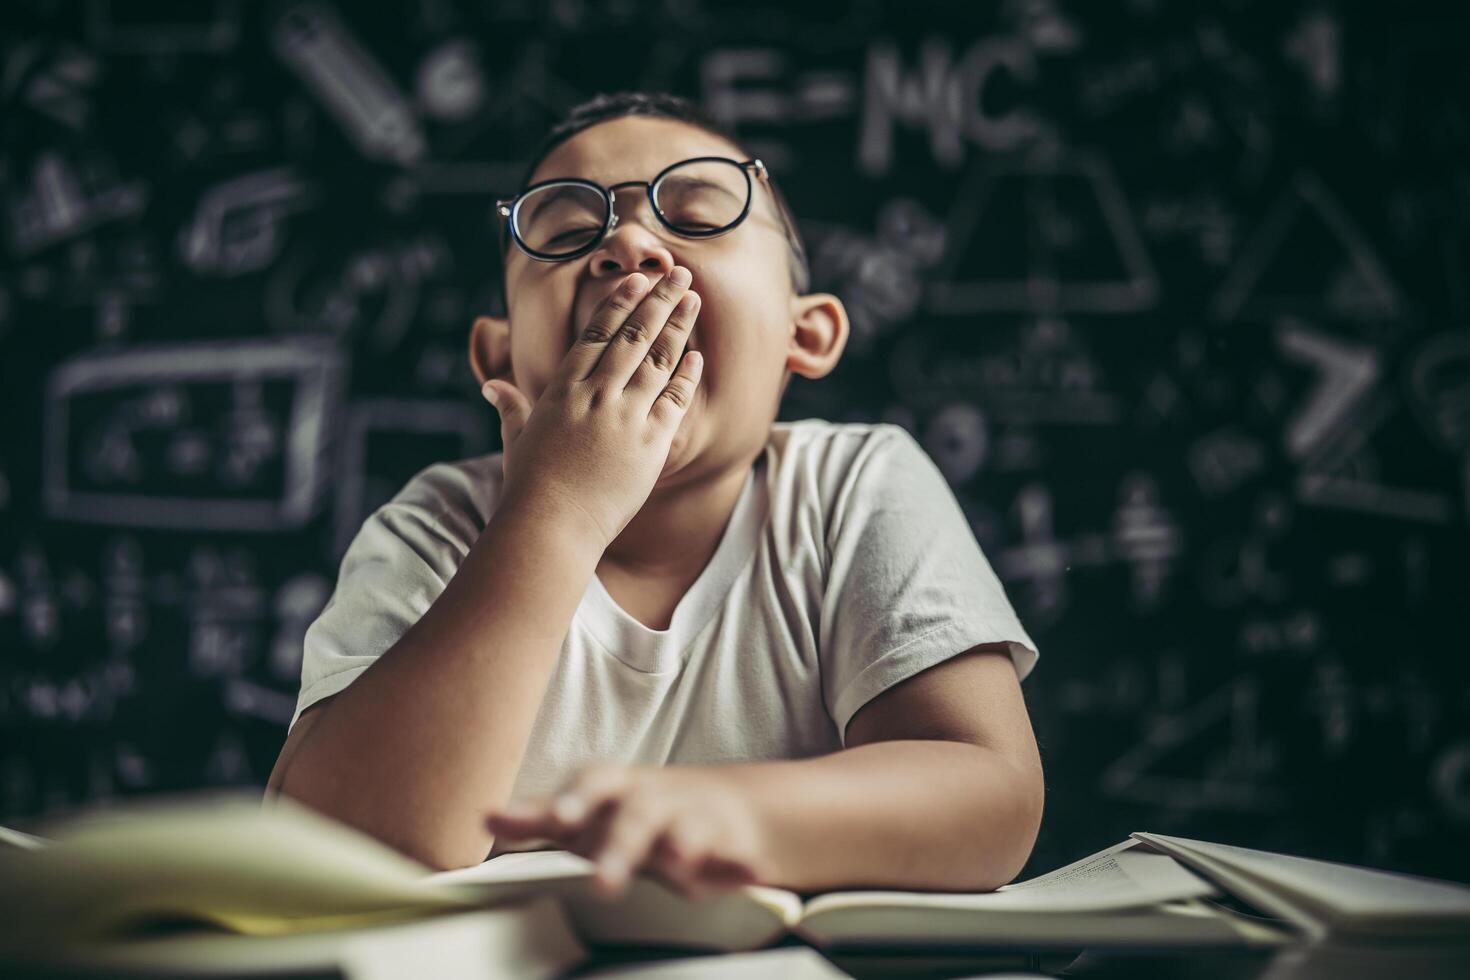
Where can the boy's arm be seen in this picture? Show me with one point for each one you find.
(418, 747)
(939, 788)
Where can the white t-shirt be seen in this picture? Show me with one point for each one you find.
(846, 566)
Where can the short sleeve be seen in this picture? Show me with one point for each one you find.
(395, 567)
(908, 586)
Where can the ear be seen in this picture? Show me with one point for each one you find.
(490, 348)
(820, 328)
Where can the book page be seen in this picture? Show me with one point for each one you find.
(787, 962)
(1119, 877)
(1121, 873)
(1344, 894)
(550, 866)
(221, 858)
(532, 940)
(10, 837)
(518, 866)
(649, 911)
(513, 875)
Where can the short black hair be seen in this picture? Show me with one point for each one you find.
(613, 105)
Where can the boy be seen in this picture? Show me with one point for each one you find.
(677, 636)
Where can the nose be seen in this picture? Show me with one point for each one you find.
(632, 245)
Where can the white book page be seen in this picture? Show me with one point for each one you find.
(789, 962)
(10, 837)
(515, 873)
(517, 866)
(1341, 889)
(1119, 877)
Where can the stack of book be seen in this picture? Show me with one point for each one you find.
(224, 882)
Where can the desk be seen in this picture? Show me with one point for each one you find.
(461, 953)
(1446, 962)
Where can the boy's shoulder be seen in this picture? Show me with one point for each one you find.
(827, 436)
(833, 449)
(458, 496)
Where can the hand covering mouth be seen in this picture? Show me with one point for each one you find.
(580, 323)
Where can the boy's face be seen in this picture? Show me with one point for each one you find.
(751, 328)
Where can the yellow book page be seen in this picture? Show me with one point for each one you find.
(225, 859)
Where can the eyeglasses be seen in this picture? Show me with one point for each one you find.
(562, 218)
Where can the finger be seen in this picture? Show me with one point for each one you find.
(606, 321)
(635, 827)
(512, 406)
(583, 799)
(626, 351)
(595, 785)
(686, 887)
(695, 854)
(518, 828)
(718, 872)
(663, 355)
(582, 839)
(568, 815)
(523, 810)
(551, 820)
(672, 404)
(522, 818)
(539, 817)
(592, 836)
(679, 854)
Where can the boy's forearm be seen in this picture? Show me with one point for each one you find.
(911, 814)
(432, 734)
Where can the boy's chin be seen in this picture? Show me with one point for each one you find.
(682, 447)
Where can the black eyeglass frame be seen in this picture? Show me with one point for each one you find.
(508, 208)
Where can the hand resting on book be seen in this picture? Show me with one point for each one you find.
(685, 824)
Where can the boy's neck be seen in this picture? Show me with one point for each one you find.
(678, 528)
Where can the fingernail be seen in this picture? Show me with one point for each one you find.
(680, 276)
(611, 869)
(570, 808)
(518, 811)
(488, 390)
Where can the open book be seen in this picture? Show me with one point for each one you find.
(1124, 894)
(231, 863)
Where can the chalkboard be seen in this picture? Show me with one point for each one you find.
(1174, 294)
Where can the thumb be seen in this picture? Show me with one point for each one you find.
(513, 407)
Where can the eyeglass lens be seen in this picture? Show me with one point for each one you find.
(698, 198)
